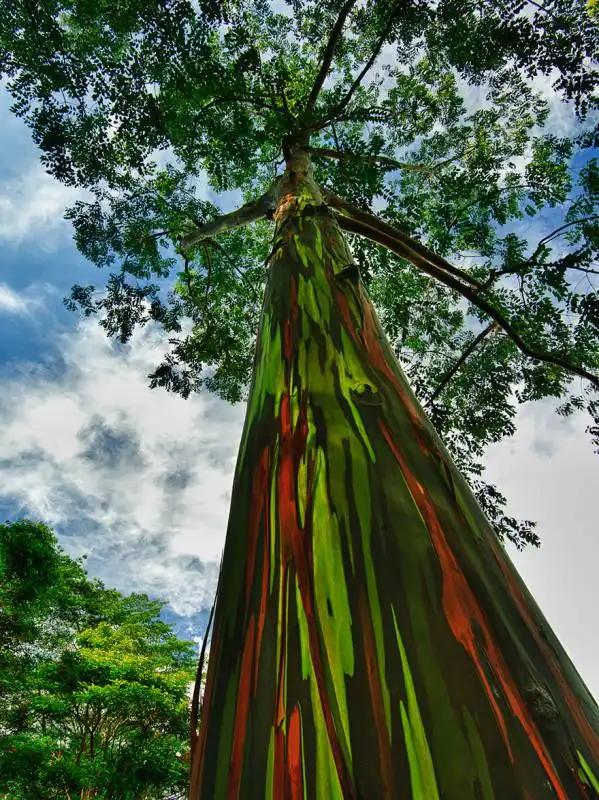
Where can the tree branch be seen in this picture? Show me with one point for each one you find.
(242, 275)
(419, 250)
(290, 116)
(384, 161)
(558, 231)
(342, 104)
(258, 102)
(498, 273)
(328, 54)
(379, 235)
(490, 196)
(245, 215)
(541, 8)
(448, 375)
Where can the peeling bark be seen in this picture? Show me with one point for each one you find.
(371, 636)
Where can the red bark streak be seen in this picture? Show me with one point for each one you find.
(279, 743)
(580, 785)
(280, 775)
(264, 589)
(294, 546)
(345, 780)
(371, 340)
(241, 713)
(461, 608)
(259, 492)
(374, 684)
(346, 314)
(294, 756)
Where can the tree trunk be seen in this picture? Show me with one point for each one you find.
(372, 638)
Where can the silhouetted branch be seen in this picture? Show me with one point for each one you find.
(448, 375)
(419, 250)
(328, 54)
(358, 80)
(383, 161)
(195, 700)
(245, 215)
(376, 232)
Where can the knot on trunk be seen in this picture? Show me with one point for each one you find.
(541, 702)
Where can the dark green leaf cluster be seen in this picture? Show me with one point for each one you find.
(430, 116)
(93, 685)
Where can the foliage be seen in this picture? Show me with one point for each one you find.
(94, 686)
(432, 120)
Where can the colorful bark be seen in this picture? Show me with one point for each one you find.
(372, 638)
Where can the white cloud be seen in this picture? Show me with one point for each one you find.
(138, 479)
(32, 206)
(28, 302)
(549, 473)
(12, 302)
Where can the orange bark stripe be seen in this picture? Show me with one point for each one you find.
(279, 743)
(293, 547)
(370, 336)
(458, 602)
(259, 492)
(241, 713)
(264, 589)
(294, 756)
(460, 608)
(374, 684)
(346, 314)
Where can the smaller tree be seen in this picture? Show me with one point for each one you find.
(101, 707)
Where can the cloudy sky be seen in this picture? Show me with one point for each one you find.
(140, 480)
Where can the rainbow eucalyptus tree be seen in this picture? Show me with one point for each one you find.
(371, 637)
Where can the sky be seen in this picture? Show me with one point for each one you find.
(140, 480)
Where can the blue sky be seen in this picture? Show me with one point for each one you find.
(140, 480)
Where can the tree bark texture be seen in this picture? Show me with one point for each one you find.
(372, 639)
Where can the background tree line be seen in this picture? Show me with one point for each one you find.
(94, 687)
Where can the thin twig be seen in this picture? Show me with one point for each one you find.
(240, 272)
(342, 104)
(559, 231)
(335, 136)
(257, 102)
(541, 8)
(448, 375)
(530, 262)
(328, 54)
(490, 196)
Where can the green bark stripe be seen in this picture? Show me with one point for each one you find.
(478, 751)
(362, 613)
(588, 772)
(422, 770)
